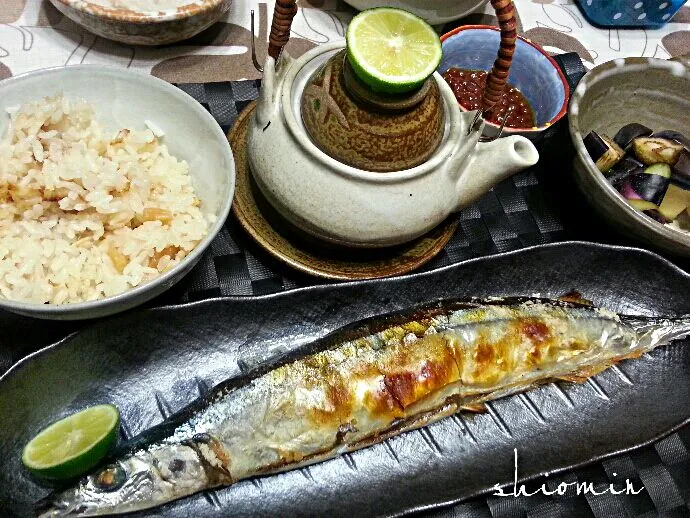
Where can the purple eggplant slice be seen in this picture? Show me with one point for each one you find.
(604, 152)
(674, 135)
(651, 185)
(623, 169)
(652, 151)
(630, 132)
(663, 170)
(680, 172)
(595, 145)
(633, 198)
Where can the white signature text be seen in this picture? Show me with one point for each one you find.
(582, 488)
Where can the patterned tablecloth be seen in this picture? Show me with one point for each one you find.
(537, 206)
(35, 35)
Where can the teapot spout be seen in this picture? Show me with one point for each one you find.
(492, 163)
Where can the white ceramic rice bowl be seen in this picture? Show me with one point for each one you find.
(125, 98)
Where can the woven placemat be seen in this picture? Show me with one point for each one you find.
(514, 215)
(537, 206)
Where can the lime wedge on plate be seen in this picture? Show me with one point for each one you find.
(72, 446)
(391, 50)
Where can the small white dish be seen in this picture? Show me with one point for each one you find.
(124, 98)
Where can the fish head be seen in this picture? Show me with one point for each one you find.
(138, 481)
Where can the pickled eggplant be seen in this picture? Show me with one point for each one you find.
(681, 169)
(649, 185)
(624, 169)
(656, 215)
(652, 151)
(673, 135)
(603, 150)
(630, 132)
(651, 170)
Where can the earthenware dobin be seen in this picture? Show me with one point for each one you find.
(356, 206)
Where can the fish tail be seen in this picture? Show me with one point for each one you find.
(655, 331)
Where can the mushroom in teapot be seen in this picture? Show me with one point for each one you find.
(363, 168)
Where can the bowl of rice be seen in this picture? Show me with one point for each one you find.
(112, 184)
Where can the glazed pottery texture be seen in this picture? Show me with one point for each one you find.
(369, 137)
(123, 98)
(136, 28)
(652, 92)
(532, 71)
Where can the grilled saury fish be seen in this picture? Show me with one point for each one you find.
(357, 386)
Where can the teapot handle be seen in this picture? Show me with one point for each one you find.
(498, 77)
(276, 62)
(284, 12)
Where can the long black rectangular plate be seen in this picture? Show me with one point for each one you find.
(150, 363)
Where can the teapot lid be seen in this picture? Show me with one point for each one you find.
(367, 130)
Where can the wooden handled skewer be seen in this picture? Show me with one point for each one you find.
(498, 77)
(283, 14)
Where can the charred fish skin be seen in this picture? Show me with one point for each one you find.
(358, 385)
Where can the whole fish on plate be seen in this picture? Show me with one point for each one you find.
(359, 385)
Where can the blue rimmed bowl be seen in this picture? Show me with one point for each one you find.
(533, 72)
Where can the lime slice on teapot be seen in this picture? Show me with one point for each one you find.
(391, 50)
(72, 446)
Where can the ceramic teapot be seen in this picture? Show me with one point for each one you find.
(352, 206)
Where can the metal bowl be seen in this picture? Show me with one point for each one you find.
(139, 28)
(124, 98)
(653, 92)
